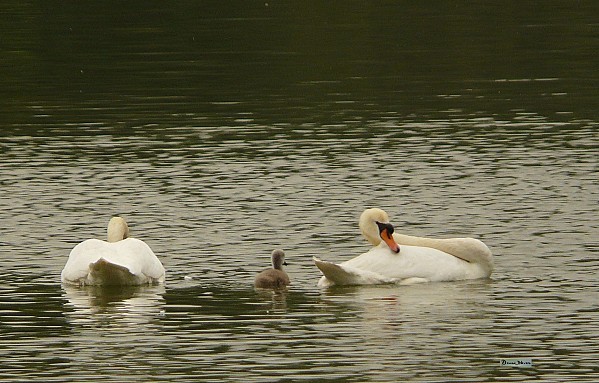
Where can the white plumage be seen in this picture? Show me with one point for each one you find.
(419, 259)
(124, 261)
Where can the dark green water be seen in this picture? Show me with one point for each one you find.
(221, 131)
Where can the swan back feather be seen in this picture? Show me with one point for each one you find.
(119, 261)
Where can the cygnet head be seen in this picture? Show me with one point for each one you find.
(278, 259)
(117, 229)
(374, 224)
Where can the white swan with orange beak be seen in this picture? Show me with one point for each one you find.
(404, 259)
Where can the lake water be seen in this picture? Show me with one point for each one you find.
(223, 131)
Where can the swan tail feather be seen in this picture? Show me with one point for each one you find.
(104, 272)
(336, 274)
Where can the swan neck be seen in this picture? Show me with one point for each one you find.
(117, 229)
(278, 260)
(368, 225)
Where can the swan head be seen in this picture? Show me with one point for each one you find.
(375, 226)
(117, 229)
(278, 259)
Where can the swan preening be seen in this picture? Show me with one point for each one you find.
(394, 258)
(398, 258)
(274, 277)
(119, 261)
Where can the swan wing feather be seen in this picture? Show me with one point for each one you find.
(94, 260)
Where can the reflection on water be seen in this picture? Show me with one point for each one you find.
(224, 132)
(275, 300)
(127, 304)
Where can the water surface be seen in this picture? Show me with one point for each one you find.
(223, 131)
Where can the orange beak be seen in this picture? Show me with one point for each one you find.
(386, 232)
(388, 238)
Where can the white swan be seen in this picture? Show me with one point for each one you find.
(274, 277)
(118, 261)
(405, 259)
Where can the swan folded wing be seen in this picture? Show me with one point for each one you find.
(82, 255)
(422, 263)
(130, 256)
(335, 274)
(467, 249)
(417, 262)
(138, 257)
